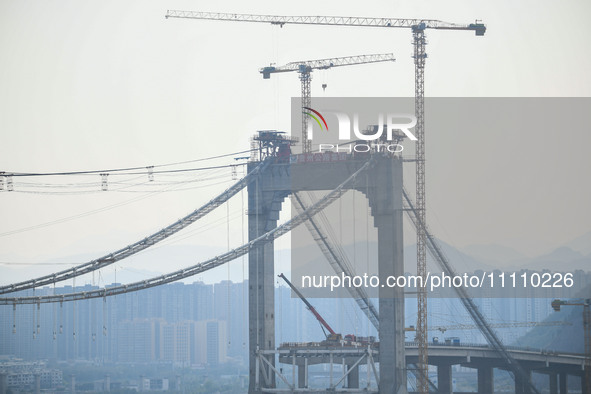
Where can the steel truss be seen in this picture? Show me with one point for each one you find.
(332, 355)
(325, 20)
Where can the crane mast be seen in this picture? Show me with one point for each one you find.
(306, 98)
(420, 55)
(305, 68)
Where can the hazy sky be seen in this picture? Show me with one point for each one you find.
(110, 84)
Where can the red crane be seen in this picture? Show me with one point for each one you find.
(332, 336)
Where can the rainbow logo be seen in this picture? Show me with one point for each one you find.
(315, 118)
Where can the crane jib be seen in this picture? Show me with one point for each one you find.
(478, 27)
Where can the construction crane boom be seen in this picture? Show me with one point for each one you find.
(323, 64)
(477, 26)
(309, 306)
(305, 67)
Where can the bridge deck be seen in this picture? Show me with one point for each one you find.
(470, 355)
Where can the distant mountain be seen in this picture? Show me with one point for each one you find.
(581, 244)
(573, 256)
(563, 253)
(459, 260)
(561, 259)
(495, 255)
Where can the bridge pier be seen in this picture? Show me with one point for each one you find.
(562, 380)
(263, 213)
(3, 383)
(353, 377)
(385, 200)
(521, 386)
(444, 379)
(303, 375)
(519, 389)
(37, 383)
(553, 377)
(485, 380)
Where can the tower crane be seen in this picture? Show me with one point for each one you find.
(305, 68)
(418, 27)
(585, 303)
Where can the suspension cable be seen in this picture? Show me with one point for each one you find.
(200, 267)
(138, 246)
(146, 169)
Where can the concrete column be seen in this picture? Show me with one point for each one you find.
(518, 384)
(107, 382)
(37, 383)
(385, 198)
(353, 377)
(178, 383)
(262, 217)
(521, 386)
(553, 377)
(485, 380)
(444, 380)
(3, 383)
(301, 376)
(562, 381)
(141, 385)
(73, 384)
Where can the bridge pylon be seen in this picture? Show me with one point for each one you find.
(383, 188)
